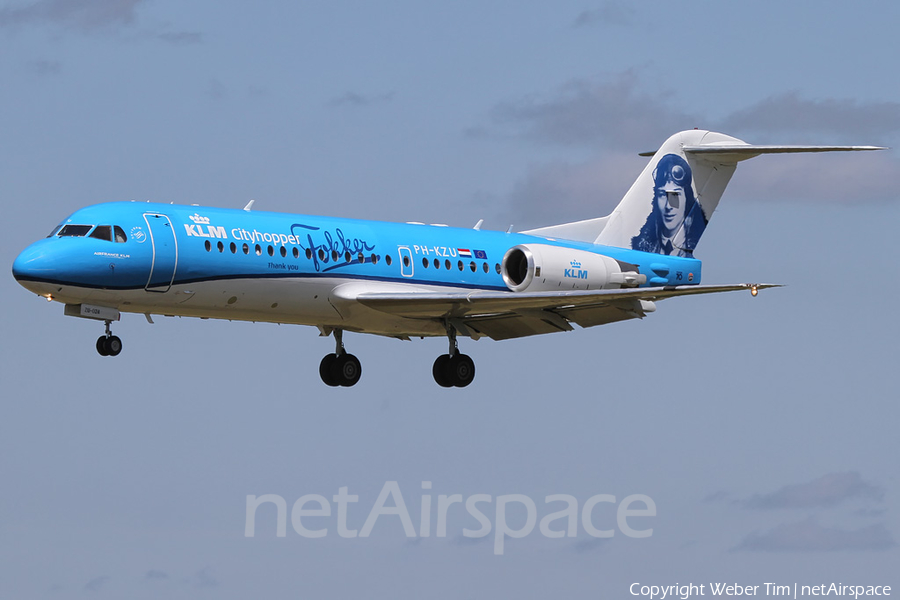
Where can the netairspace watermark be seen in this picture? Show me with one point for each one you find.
(662, 592)
(557, 524)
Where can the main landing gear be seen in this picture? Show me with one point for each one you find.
(340, 368)
(453, 369)
(109, 345)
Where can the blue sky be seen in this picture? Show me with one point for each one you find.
(764, 429)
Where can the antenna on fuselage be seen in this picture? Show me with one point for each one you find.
(478, 225)
(249, 205)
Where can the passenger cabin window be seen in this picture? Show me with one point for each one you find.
(74, 230)
(121, 238)
(102, 232)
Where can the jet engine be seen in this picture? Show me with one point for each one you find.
(541, 267)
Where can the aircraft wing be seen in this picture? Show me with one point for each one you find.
(505, 315)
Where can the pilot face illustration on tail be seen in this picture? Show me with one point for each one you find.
(676, 221)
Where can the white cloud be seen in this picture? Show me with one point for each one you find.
(863, 176)
(96, 583)
(809, 536)
(788, 115)
(357, 100)
(609, 114)
(610, 13)
(560, 192)
(828, 490)
(80, 15)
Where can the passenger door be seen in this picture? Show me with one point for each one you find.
(165, 253)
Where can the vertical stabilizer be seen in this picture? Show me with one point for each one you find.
(669, 205)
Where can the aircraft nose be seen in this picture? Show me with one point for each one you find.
(34, 263)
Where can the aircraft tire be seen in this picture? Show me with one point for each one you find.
(441, 371)
(113, 345)
(346, 370)
(461, 368)
(326, 370)
(101, 346)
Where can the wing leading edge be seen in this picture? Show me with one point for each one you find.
(506, 315)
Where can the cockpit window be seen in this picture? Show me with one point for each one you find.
(74, 230)
(102, 232)
(55, 231)
(120, 235)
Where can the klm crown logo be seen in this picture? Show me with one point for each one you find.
(202, 228)
(196, 218)
(576, 272)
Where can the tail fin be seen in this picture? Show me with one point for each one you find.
(668, 207)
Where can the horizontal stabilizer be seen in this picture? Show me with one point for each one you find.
(738, 152)
(751, 150)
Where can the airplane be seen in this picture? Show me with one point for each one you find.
(397, 280)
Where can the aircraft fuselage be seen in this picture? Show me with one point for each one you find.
(261, 266)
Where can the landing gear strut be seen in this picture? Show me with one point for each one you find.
(340, 368)
(453, 369)
(109, 345)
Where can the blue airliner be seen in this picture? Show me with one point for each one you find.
(396, 280)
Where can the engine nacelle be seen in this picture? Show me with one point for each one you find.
(541, 267)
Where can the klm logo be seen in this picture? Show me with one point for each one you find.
(210, 231)
(576, 272)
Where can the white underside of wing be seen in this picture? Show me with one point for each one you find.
(503, 315)
(429, 303)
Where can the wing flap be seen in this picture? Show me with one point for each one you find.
(509, 326)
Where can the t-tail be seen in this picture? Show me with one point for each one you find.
(667, 208)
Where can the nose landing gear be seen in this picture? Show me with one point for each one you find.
(340, 368)
(454, 369)
(109, 344)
